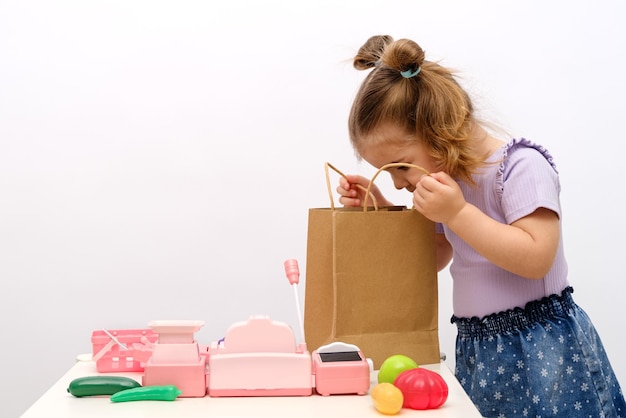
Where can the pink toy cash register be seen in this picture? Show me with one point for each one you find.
(259, 357)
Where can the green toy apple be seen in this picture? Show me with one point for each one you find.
(393, 366)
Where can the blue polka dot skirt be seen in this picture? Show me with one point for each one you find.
(546, 360)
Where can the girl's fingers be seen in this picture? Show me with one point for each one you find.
(343, 192)
(347, 201)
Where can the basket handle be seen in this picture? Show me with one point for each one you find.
(367, 189)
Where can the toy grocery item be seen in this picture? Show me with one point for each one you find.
(148, 393)
(393, 366)
(422, 388)
(100, 385)
(387, 398)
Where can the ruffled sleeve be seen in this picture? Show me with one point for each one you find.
(526, 180)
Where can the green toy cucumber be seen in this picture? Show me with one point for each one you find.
(147, 393)
(100, 385)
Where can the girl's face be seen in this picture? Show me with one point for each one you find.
(389, 144)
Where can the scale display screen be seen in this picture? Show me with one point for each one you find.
(340, 356)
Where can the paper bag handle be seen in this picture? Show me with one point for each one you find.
(369, 186)
(328, 165)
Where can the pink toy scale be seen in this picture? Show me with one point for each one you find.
(176, 358)
(259, 357)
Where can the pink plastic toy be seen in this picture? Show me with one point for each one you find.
(125, 350)
(176, 358)
(259, 357)
(340, 368)
(292, 271)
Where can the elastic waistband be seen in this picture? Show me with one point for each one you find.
(518, 318)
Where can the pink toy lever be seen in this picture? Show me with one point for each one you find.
(292, 271)
(293, 274)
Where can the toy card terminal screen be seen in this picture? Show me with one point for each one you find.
(340, 356)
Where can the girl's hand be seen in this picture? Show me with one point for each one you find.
(438, 197)
(352, 195)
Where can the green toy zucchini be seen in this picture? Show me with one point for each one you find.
(147, 393)
(100, 385)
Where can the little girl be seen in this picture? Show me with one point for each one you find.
(524, 347)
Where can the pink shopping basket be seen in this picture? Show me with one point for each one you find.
(132, 357)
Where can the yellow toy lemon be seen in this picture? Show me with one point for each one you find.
(387, 398)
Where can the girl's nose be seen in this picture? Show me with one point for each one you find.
(400, 183)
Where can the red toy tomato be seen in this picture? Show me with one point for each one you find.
(422, 388)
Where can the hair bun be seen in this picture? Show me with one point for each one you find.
(404, 55)
(371, 52)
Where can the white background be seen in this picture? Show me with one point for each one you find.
(158, 158)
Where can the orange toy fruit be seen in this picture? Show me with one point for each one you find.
(387, 398)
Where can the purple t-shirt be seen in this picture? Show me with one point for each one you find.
(519, 179)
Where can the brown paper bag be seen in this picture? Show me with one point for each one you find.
(371, 280)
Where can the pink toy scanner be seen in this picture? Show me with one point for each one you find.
(176, 358)
(340, 368)
(259, 357)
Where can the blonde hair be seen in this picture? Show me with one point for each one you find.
(428, 103)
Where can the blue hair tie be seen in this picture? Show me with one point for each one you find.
(410, 73)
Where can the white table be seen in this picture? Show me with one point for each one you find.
(58, 402)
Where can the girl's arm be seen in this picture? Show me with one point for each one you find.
(527, 247)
